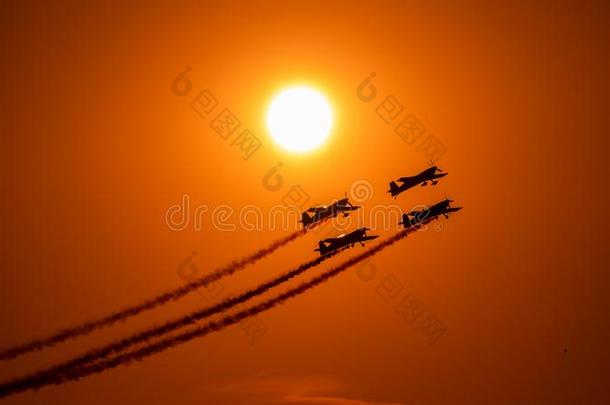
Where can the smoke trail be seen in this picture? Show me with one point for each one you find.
(48, 377)
(88, 327)
(121, 345)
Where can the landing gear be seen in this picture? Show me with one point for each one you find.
(435, 182)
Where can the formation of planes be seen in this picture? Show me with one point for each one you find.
(410, 219)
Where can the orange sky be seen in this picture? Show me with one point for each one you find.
(96, 146)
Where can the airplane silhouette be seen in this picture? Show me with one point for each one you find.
(343, 241)
(321, 212)
(428, 175)
(433, 212)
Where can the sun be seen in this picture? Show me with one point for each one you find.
(299, 119)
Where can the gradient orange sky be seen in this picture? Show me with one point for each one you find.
(96, 146)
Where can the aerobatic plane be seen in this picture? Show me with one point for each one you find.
(344, 241)
(431, 175)
(321, 212)
(433, 212)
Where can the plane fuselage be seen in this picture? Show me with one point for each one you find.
(429, 175)
(329, 245)
(434, 211)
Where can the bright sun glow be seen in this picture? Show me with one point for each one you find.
(299, 119)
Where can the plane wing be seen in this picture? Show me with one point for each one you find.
(406, 179)
(369, 237)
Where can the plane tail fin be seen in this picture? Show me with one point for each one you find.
(306, 219)
(393, 188)
(321, 248)
(406, 221)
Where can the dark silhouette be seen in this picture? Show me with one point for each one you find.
(428, 175)
(343, 241)
(321, 212)
(428, 214)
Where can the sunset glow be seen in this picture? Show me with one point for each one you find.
(299, 119)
